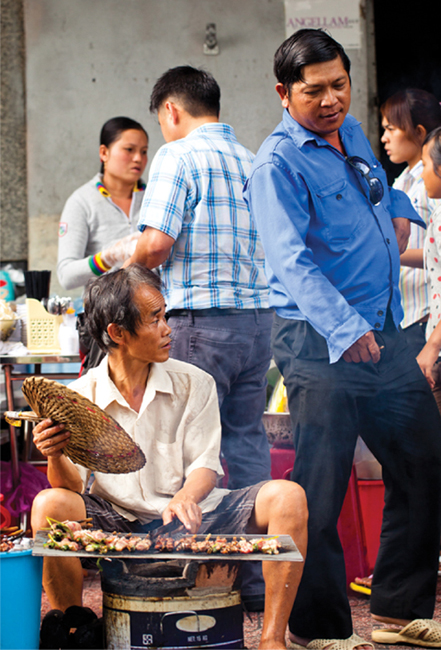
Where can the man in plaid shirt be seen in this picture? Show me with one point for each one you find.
(197, 229)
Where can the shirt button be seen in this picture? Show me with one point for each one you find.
(377, 326)
(380, 313)
(388, 241)
(339, 197)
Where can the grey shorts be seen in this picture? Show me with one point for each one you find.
(230, 517)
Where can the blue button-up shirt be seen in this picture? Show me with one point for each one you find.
(331, 257)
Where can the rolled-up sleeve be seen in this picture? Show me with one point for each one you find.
(164, 203)
(401, 206)
(203, 431)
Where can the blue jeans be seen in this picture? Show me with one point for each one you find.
(235, 350)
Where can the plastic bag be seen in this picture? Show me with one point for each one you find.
(31, 483)
(120, 251)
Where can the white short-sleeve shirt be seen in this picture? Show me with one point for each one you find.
(178, 428)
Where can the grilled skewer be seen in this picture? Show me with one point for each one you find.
(69, 535)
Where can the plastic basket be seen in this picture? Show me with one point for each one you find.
(42, 329)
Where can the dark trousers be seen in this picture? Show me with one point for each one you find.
(235, 350)
(391, 406)
(416, 337)
(437, 388)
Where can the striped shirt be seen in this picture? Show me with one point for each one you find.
(194, 195)
(413, 287)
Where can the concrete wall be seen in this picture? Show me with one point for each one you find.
(13, 182)
(89, 60)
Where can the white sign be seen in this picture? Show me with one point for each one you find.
(340, 18)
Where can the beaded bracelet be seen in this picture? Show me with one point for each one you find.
(97, 265)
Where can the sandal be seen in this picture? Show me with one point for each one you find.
(423, 632)
(351, 643)
(361, 589)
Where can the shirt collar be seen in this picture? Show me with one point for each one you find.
(106, 392)
(214, 128)
(300, 135)
(416, 170)
(159, 381)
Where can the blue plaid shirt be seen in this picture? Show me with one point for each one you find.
(194, 195)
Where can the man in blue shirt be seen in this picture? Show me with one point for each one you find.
(332, 232)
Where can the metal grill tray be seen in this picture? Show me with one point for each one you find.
(287, 553)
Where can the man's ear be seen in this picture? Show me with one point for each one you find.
(283, 94)
(116, 333)
(173, 112)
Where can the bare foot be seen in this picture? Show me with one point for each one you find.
(394, 621)
(298, 639)
(364, 582)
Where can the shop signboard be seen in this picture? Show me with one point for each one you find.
(340, 18)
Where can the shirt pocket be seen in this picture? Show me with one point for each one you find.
(168, 467)
(338, 210)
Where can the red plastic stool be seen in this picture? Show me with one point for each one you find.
(5, 515)
(282, 461)
(371, 492)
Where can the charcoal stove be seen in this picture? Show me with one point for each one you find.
(174, 604)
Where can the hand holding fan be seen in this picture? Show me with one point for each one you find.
(97, 441)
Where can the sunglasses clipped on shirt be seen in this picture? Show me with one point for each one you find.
(376, 189)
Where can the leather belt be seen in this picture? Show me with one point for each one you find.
(217, 311)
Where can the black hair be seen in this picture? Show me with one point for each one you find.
(435, 150)
(305, 47)
(110, 299)
(112, 129)
(406, 109)
(196, 89)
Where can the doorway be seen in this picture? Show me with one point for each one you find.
(408, 53)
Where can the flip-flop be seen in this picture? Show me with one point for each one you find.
(351, 643)
(424, 632)
(360, 588)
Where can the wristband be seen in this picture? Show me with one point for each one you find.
(97, 265)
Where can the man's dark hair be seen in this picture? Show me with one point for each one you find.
(197, 90)
(305, 47)
(110, 299)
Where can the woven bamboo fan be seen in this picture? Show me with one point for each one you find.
(97, 441)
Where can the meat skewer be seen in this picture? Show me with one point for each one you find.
(69, 535)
